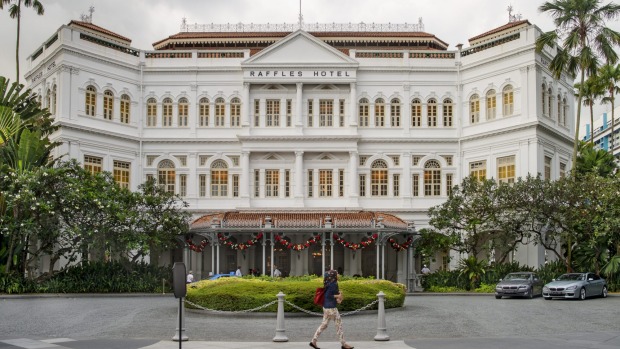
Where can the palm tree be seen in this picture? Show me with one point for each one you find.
(581, 27)
(16, 12)
(591, 160)
(591, 90)
(609, 77)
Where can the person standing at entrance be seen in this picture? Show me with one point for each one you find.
(333, 297)
(238, 272)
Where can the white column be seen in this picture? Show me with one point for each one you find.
(405, 181)
(405, 110)
(192, 181)
(261, 180)
(281, 183)
(299, 122)
(353, 177)
(246, 107)
(299, 174)
(335, 183)
(244, 185)
(352, 105)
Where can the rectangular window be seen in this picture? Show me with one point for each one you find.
(108, 105)
(379, 183)
(491, 106)
(235, 114)
(415, 159)
(310, 183)
(167, 115)
(150, 159)
(474, 111)
(432, 182)
(448, 159)
(508, 102)
(416, 114)
(256, 112)
(202, 179)
(287, 183)
(449, 184)
(341, 183)
(362, 185)
(447, 115)
(202, 159)
(432, 114)
(93, 164)
(547, 168)
(396, 185)
(256, 183)
(506, 169)
(273, 113)
(220, 112)
(182, 159)
(478, 170)
(326, 112)
(183, 114)
(415, 185)
(363, 114)
(289, 113)
(183, 185)
(395, 159)
(151, 114)
(379, 114)
(121, 173)
(272, 183)
(234, 159)
(150, 177)
(363, 159)
(310, 112)
(125, 109)
(204, 114)
(326, 181)
(342, 116)
(562, 169)
(235, 182)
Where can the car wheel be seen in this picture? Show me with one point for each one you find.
(498, 297)
(582, 294)
(604, 292)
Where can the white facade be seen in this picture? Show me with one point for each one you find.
(311, 159)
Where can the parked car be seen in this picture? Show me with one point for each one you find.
(522, 284)
(576, 285)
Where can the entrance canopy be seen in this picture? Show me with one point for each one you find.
(360, 221)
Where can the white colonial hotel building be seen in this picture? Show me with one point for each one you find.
(305, 148)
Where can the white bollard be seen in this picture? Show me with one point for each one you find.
(182, 333)
(280, 331)
(381, 328)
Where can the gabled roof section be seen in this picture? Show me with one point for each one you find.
(499, 31)
(300, 47)
(99, 31)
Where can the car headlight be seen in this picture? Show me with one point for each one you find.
(522, 286)
(572, 287)
(545, 289)
(498, 287)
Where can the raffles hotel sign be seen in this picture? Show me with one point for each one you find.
(343, 75)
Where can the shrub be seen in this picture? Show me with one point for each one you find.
(485, 288)
(234, 294)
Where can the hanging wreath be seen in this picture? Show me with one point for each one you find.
(241, 246)
(398, 247)
(297, 247)
(356, 246)
(197, 248)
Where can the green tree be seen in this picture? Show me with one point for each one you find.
(590, 91)
(15, 11)
(592, 160)
(581, 27)
(609, 77)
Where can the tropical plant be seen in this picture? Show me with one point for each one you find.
(15, 11)
(581, 27)
(473, 269)
(592, 160)
(609, 77)
(590, 91)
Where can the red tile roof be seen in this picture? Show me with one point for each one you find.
(299, 220)
(98, 29)
(499, 29)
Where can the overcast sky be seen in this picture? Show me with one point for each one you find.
(147, 21)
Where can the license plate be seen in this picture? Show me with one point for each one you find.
(510, 291)
(556, 293)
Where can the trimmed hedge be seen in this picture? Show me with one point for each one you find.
(234, 294)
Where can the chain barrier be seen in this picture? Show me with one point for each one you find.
(232, 311)
(309, 312)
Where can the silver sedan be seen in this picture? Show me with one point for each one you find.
(576, 285)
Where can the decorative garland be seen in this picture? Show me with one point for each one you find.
(197, 248)
(297, 247)
(240, 246)
(356, 246)
(398, 247)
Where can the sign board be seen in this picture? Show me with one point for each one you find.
(179, 279)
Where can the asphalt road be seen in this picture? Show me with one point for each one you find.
(422, 318)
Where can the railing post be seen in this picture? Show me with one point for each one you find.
(180, 332)
(280, 331)
(381, 328)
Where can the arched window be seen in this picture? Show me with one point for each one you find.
(166, 114)
(183, 112)
(219, 178)
(91, 100)
(545, 107)
(508, 100)
(448, 112)
(166, 175)
(125, 105)
(379, 112)
(560, 109)
(395, 112)
(53, 107)
(565, 113)
(549, 102)
(491, 105)
(204, 112)
(235, 112)
(363, 112)
(431, 112)
(48, 100)
(151, 112)
(416, 113)
(474, 109)
(108, 105)
(379, 178)
(220, 110)
(432, 178)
